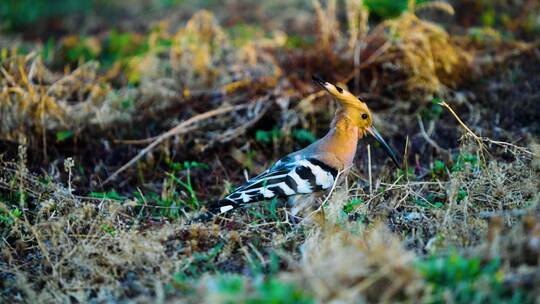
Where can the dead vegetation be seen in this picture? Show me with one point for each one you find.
(361, 268)
(105, 161)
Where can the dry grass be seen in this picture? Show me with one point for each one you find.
(343, 266)
(407, 54)
(66, 247)
(201, 96)
(425, 53)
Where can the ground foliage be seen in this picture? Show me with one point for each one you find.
(114, 137)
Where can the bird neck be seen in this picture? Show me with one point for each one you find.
(341, 139)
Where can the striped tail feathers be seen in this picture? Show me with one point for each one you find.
(216, 208)
(204, 217)
(222, 206)
(287, 178)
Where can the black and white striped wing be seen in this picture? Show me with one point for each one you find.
(286, 178)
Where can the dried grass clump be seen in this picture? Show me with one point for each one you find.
(406, 54)
(197, 48)
(327, 24)
(202, 54)
(81, 261)
(339, 266)
(35, 100)
(424, 53)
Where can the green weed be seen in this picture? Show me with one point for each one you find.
(386, 9)
(457, 279)
(192, 201)
(463, 161)
(299, 42)
(80, 48)
(178, 193)
(268, 136)
(439, 167)
(407, 172)
(7, 218)
(351, 206)
(243, 33)
(110, 230)
(63, 135)
(109, 195)
(483, 34)
(267, 211)
(16, 14)
(432, 200)
(304, 136)
(200, 263)
(231, 288)
(434, 111)
(461, 195)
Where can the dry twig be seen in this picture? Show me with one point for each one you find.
(179, 129)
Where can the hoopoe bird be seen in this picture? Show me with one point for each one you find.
(314, 169)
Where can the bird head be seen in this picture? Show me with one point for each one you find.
(359, 112)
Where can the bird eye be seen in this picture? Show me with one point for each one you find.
(339, 89)
(365, 116)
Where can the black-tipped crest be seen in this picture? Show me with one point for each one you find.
(318, 80)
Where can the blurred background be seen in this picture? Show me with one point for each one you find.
(127, 70)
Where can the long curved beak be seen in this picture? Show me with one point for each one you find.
(385, 145)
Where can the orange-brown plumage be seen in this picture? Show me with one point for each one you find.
(338, 147)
